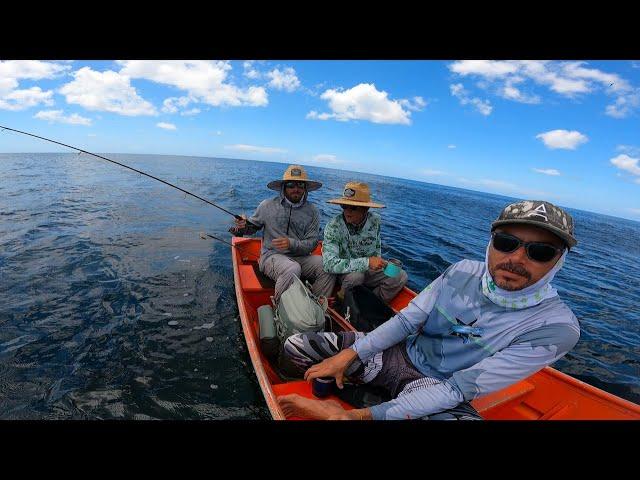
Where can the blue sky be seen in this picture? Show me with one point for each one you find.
(563, 131)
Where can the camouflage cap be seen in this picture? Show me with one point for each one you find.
(540, 214)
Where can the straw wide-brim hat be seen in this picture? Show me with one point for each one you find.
(295, 173)
(358, 194)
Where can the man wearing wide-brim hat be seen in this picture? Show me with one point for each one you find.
(352, 247)
(291, 232)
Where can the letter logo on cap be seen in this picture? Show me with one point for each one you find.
(539, 211)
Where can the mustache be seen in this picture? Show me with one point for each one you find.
(514, 268)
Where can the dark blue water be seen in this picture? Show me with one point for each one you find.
(111, 306)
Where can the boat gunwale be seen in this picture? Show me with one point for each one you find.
(254, 352)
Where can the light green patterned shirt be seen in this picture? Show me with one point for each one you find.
(346, 248)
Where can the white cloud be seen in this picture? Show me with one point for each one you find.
(179, 104)
(564, 139)
(105, 91)
(91, 135)
(363, 102)
(313, 115)
(452, 146)
(16, 100)
(284, 80)
(250, 71)
(548, 171)
(634, 210)
(218, 132)
(627, 163)
(326, 158)
(624, 105)
(58, 116)
(485, 68)
(166, 126)
(204, 81)
(629, 149)
(12, 71)
(417, 104)
(174, 104)
(458, 91)
(564, 78)
(254, 149)
(511, 92)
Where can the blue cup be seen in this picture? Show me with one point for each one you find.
(322, 386)
(393, 268)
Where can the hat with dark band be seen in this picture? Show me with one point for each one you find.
(358, 194)
(297, 174)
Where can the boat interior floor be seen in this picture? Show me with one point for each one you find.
(265, 282)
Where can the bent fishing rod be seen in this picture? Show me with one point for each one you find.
(238, 217)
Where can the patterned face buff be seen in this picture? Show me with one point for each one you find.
(527, 297)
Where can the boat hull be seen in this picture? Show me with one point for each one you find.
(545, 395)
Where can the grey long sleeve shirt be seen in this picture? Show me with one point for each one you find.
(301, 224)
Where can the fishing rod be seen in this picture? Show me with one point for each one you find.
(238, 217)
(204, 236)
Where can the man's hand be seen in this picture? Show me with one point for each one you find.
(332, 367)
(377, 263)
(281, 243)
(240, 224)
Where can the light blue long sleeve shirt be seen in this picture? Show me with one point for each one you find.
(508, 345)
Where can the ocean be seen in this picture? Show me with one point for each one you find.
(113, 307)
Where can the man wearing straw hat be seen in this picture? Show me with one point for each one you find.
(352, 246)
(291, 232)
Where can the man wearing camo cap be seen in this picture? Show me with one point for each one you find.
(478, 328)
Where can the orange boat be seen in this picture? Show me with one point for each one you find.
(545, 395)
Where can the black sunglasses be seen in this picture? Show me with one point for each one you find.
(351, 207)
(536, 251)
(294, 184)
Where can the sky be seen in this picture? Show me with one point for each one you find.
(563, 131)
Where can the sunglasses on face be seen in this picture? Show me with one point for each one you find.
(536, 251)
(353, 208)
(294, 184)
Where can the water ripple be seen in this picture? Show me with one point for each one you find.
(113, 307)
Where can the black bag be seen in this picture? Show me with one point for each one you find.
(366, 310)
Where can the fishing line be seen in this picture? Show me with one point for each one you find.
(204, 236)
(130, 168)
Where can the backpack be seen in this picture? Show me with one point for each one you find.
(366, 311)
(299, 311)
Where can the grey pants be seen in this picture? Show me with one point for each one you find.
(281, 269)
(384, 287)
(391, 369)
